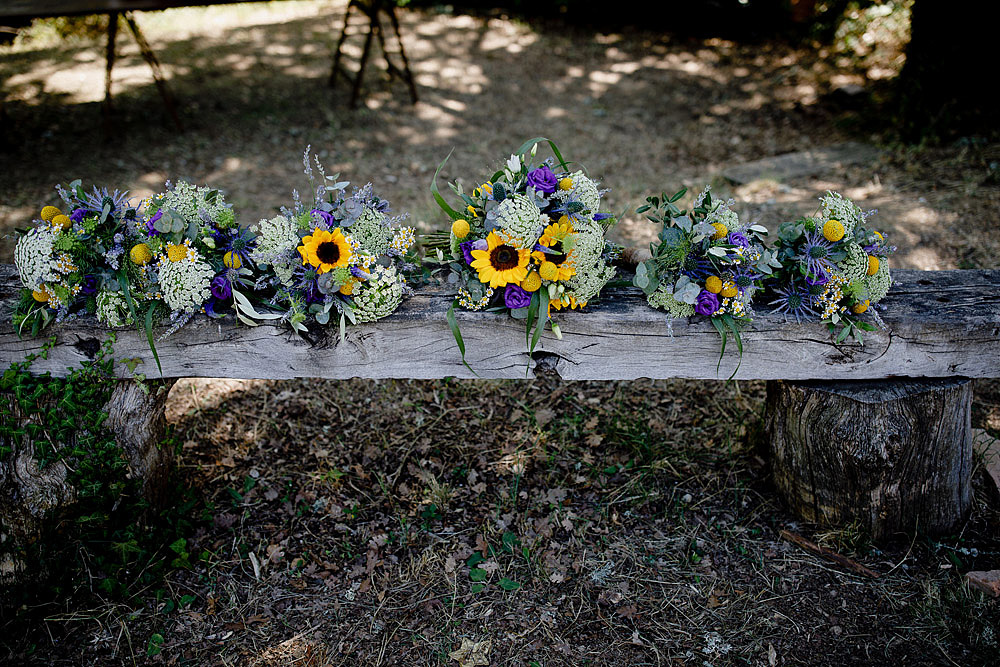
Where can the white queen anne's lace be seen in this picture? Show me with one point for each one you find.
(185, 284)
(379, 296)
(519, 217)
(33, 257)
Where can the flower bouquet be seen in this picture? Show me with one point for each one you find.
(530, 240)
(834, 268)
(167, 257)
(705, 262)
(339, 254)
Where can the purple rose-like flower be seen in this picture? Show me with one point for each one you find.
(327, 217)
(221, 288)
(89, 285)
(543, 180)
(739, 239)
(707, 303)
(78, 214)
(468, 246)
(515, 297)
(152, 221)
(601, 216)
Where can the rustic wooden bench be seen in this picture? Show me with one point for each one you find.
(878, 435)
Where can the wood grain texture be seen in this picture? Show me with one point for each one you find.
(891, 456)
(940, 324)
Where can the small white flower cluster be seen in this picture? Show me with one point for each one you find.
(521, 219)
(855, 265)
(592, 272)
(879, 284)
(466, 301)
(371, 232)
(188, 200)
(33, 257)
(403, 239)
(112, 309)
(185, 283)
(379, 296)
(584, 190)
(664, 298)
(843, 210)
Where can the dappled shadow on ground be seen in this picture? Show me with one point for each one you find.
(642, 111)
(364, 522)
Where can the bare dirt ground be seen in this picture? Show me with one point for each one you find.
(528, 523)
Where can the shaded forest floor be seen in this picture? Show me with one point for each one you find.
(530, 522)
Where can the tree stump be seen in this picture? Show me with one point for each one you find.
(889, 455)
(35, 498)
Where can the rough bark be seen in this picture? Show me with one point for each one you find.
(891, 456)
(35, 498)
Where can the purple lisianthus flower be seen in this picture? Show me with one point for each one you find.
(515, 297)
(707, 303)
(327, 217)
(468, 246)
(543, 180)
(221, 288)
(89, 284)
(739, 239)
(601, 216)
(152, 221)
(78, 214)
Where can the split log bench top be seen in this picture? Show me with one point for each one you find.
(940, 324)
(877, 435)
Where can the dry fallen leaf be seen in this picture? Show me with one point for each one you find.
(471, 654)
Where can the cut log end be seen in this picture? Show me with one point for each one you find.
(890, 456)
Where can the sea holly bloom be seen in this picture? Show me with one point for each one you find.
(501, 263)
(815, 256)
(325, 250)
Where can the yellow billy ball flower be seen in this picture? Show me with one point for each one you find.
(140, 254)
(566, 184)
(460, 228)
(872, 265)
(61, 221)
(176, 252)
(728, 290)
(532, 283)
(49, 212)
(833, 231)
(347, 288)
(39, 295)
(232, 260)
(548, 271)
(860, 307)
(720, 231)
(713, 284)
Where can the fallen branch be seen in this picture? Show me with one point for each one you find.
(843, 561)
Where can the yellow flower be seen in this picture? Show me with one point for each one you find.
(49, 212)
(564, 219)
(325, 250)
(61, 221)
(548, 271)
(728, 290)
(39, 295)
(570, 303)
(872, 265)
(176, 252)
(471, 209)
(562, 263)
(140, 254)
(833, 231)
(879, 235)
(347, 289)
(232, 260)
(713, 284)
(532, 282)
(460, 228)
(720, 231)
(860, 307)
(484, 189)
(500, 263)
(566, 184)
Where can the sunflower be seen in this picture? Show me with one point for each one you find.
(325, 250)
(552, 239)
(500, 263)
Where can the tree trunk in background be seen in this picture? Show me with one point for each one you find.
(947, 81)
(890, 456)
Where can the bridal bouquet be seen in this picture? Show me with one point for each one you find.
(529, 240)
(338, 254)
(705, 262)
(834, 268)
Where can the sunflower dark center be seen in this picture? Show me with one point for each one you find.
(503, 258)
(817, 252)
(328, 252)
(559, 257)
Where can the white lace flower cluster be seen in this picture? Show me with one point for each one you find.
(34, 258)
(583, 190)
(185, 283)
(520, 218)
(190, 200)
(112, 309)
(837, 207)
(378, 296)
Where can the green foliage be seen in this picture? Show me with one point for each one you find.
(106, 543)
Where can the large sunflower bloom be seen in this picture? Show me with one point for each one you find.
(325, 250)
(563, 262)
(500, 263)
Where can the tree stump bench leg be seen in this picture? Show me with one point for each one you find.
(891, 456)
(34, 498)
